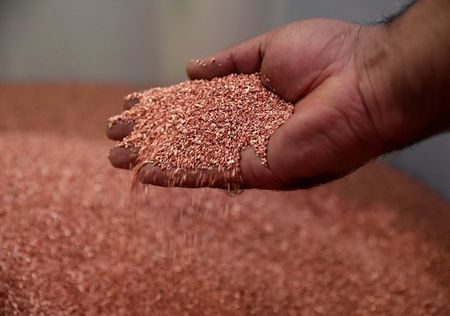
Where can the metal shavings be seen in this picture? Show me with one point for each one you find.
(203, 124)
(354, 247)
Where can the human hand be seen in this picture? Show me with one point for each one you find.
(344, 114)
(312, 64)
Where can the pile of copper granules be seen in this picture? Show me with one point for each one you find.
(374, 243)
(204, 124)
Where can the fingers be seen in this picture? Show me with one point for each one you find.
(253, 175)
(243, 58)
(119, 130)
(150, 174)
(123, 158)
(120, 157)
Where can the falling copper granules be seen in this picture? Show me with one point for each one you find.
(374, 243)
(203, 124)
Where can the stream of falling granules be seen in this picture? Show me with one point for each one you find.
(204, 124)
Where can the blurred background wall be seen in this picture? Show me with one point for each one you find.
(144, 42)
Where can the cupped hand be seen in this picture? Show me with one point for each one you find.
(316, 65)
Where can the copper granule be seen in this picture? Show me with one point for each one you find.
(374, 243)
(204, 124)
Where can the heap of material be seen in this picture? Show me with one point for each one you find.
(374, 243)
(204, 124)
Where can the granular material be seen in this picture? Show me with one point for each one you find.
(202, 125)
(373, 243)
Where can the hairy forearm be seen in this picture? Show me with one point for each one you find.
(405, 68)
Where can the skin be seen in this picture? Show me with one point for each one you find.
(358, 92)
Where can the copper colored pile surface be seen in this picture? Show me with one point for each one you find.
(373, 243)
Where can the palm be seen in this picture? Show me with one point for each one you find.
(312, 63)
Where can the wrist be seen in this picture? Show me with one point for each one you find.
(403, 70)
(374, 83)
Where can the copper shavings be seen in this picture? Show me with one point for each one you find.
(374, 243)
(66, 246)
(204, 124)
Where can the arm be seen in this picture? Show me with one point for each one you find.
(404, 68)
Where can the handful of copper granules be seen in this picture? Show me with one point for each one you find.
(204, 124)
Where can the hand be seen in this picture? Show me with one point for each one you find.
(345, 113)
(312, 64)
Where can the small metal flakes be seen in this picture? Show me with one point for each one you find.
(204, 124)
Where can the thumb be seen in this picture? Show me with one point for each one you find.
(243, 58)
(327, 137)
